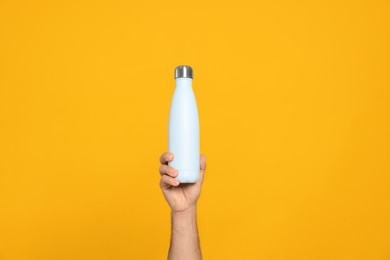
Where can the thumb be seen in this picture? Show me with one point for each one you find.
(202, 168)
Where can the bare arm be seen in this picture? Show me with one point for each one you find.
(182, 199)
(184, 236)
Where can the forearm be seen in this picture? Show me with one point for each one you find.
(184, 237)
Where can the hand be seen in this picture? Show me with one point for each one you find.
(180, 197)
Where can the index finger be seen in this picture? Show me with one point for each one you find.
(166, 157)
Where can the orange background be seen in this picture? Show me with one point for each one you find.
(294, 109)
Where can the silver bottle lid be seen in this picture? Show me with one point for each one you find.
(183, 71)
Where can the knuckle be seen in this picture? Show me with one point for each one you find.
(168, 180)
(161, 169)
(164, 157)
(164, 179)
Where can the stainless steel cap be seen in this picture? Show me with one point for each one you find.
(183, 72)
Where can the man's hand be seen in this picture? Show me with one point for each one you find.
(180, 197)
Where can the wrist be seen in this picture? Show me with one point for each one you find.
(184, 221)
(186, 212)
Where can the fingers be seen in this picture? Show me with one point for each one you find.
(167, 173)
(164, 168)
(203, 162)
(167, 170)
(166, 157)
(167, 181)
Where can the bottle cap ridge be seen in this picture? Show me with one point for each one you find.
(183, 71)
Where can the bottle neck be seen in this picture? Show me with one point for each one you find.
(184, 82)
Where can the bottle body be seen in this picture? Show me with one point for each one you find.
(183, 132)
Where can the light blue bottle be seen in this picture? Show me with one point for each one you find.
(183, 130)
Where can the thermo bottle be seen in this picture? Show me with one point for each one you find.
(183, 128)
